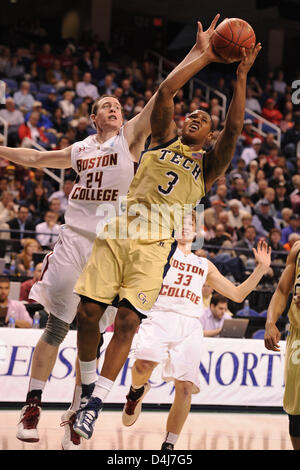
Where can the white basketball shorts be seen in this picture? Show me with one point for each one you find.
(60, 271)
(175, 341)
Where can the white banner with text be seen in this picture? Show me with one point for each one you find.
(234, 372)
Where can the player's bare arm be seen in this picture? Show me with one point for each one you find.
(38, 159)
(238, 293)
(139, 128)
(279, 300)
(218, 160)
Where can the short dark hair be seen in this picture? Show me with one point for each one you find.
(218, 298)
(4, 279)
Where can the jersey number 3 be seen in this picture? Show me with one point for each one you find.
(171, 183)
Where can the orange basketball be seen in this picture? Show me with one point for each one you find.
(231, 36)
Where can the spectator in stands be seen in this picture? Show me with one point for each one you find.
(293, 227)
(235, 213)
(278, 257)
(107, 86)
(246, 203)
(22, 223)
(63, 195)
(282, 199)
(23, 98)
(50, 103)
(27, 285)
(291, 139)
(207, 292)
(240, 171)
(279, 84)
(38, 177)
(223, 219)
(45, 59)
(212, 319)
(47, 231)
(257, 191)
(252, 102)
(248, 133)
(244, 247)
(85, 64)
(31, 130)
(268, 143)
(24, 260)
(44, 121)
(271, 113)
(269, 195)
(246, 221)
(37, 202)
(56, 75)
(238, 187)
(82, 129)
(12, 308)
(295, 194)
(60, 124)
(251, 153)
(262, 220)
(67, 105)
(221, 195)
(98, 70)
(55, 207)
(8, 209)
(86, 88)
(67, 60)
(14, 118)
(218, 241)
(293, 238)
(211, 214)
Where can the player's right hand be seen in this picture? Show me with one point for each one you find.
(272, 337)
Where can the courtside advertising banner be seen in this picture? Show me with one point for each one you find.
(234, 372)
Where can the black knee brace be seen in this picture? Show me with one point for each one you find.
(294, 425)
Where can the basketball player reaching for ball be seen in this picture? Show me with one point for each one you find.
(172, 334)
(289, 282)
(104, 166)
(171, 173)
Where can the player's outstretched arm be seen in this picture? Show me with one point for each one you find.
(37, 159)
(139, 128)
(218, 160)
(238, 293)
(279, 300)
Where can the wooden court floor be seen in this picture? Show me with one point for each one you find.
(202, 431)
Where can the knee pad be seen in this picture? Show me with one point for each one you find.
(55, 331)
(294, 425)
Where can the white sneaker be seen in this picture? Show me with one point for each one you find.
(133, 408)
(71, 440)
(30, 416)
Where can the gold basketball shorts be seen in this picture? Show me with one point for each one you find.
(132, 269)
(291, 399)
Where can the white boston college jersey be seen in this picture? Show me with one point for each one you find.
(181, 291)
(104, 173)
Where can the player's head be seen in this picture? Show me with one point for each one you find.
(107, 113)
(197, 128)
(188, 232)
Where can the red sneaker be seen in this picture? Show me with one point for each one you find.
(132, 408)
(30, 416)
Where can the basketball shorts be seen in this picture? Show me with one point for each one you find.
(291, 398)
(132, 269)
(176, 342)
(60, 271)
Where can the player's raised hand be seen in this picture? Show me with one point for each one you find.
(263, 254)
(204, 37)
(248, 58)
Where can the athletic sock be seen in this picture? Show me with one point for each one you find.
(88, 371)
(34, 394)
(135, 393)
(35, 384)
(171, 438)
(102, 388)
(75, 405)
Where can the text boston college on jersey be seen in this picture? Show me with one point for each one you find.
(88, 193)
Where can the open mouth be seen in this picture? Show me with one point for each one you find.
(194, 127)
(112, 118)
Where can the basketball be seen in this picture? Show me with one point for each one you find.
(231, 36)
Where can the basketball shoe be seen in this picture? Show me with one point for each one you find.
(30, 416)
(71, 440)
(87, 416)
(132, 408)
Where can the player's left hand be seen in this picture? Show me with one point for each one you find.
(204, 37)
(263, 254)
(248, 59)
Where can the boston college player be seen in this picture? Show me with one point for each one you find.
(172, 333)
(104, 166)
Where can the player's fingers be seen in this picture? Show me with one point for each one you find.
(214, 21)
(200, 28)
(257, 48)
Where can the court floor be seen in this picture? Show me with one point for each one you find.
(202, 431)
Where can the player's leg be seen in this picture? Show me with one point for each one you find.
(141, 373)
(178, 413)
(71, 440)
(294, 431)
(55, 292)
(126, 323)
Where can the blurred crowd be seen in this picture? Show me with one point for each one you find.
(49, 96)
